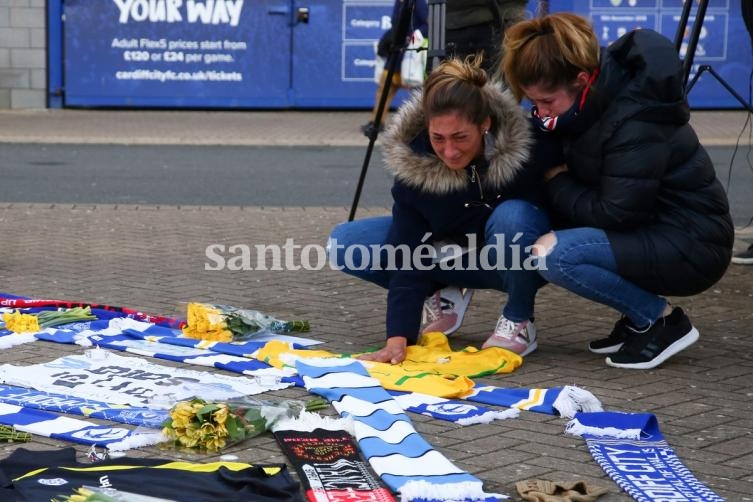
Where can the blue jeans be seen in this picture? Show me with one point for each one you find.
(582, 261)
(517, 275)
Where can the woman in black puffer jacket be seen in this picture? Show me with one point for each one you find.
(640, 211)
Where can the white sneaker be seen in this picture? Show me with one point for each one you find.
(444, 310)
(518, 337)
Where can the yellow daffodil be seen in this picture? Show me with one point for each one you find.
(21, 323)
(18, 322)
(223, 323)
(206, 322)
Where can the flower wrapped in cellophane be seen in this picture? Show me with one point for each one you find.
(223, 323)
(20, 322)
(212, 426)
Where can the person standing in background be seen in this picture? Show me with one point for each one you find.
(746, 7)
(419, 21)
(473, 26)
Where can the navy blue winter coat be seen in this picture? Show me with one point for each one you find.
(430, 197)
(638, 171)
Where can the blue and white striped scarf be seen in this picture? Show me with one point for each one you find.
(403, 459)
(65, 403)
(55, 426)
(562, 401)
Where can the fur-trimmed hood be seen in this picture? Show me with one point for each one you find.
(425, 171)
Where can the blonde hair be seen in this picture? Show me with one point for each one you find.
(455, 86)
(549, 51)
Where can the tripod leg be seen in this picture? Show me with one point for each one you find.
(436, 52)
(707, 68)
(400, 35)
(695, 34)
(374, 133)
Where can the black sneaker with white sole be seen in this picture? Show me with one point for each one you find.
(668, 336)
(611, 344)
(744, 257)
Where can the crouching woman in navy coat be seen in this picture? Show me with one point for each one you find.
(466, 173)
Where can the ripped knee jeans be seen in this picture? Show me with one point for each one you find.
(581, 260)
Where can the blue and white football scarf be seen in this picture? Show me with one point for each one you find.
(460, 412)
(633, 452)
(158, 342)
(104, 376)
(264, 374)
(84, 333)
(562, 401)
(64, 403)
(403, 459)
(79, 332)
(55, 426)
(148, 339)
(108, 323)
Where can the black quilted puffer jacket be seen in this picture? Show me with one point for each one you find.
(638, 171)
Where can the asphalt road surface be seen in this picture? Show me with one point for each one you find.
(241, 175)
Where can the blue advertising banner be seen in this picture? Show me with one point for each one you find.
(333, 57)
(221, 53)
(280, 54)
(171, 53)
(724, 43)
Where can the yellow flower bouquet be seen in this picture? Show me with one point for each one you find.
(19, 322)
(223, 323)
(209, 426)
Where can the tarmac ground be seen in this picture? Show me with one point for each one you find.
(152, 258)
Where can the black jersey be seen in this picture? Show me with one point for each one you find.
(164, 479)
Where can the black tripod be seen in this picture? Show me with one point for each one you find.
(397, 46)
(690, 51)
(437, 15)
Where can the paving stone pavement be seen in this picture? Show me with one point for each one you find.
(153, 258)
